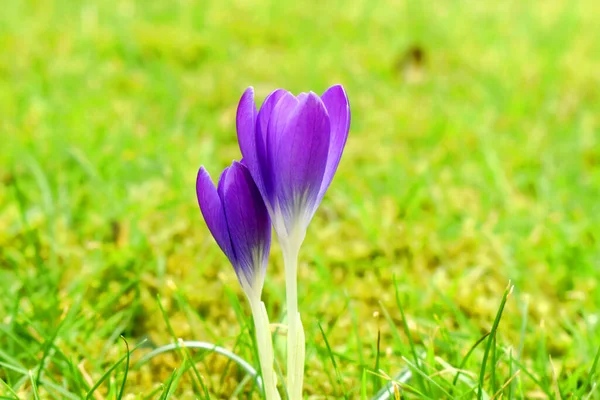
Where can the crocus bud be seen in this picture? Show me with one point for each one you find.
(238, 220)
(292, 147)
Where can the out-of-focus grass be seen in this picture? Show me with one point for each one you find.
(473, 159)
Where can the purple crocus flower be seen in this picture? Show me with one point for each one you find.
(292, 147)
(237, 218)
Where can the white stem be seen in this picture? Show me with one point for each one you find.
(265, 347)
(299, 353)
(296, 341)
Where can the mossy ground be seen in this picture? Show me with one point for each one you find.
(473, 160)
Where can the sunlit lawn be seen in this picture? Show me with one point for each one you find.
(473, 163)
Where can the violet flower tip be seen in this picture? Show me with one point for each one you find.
(201, 177)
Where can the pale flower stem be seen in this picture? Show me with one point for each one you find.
(265, 347)
(295, 336)
(299, 356)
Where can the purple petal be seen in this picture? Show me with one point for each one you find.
(280, 116)
(213, 212)
(247, 219)
(246, 130)
(338, 108)
(302, 96)
(300, 157)
(266, 110)
(264, 177)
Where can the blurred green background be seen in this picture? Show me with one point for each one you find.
(473, 160)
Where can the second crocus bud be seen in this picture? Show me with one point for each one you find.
(238, 220)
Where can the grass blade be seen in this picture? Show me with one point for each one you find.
(411, 343)
(591, 381)
(338, 374)
(122, 390)
(34, 386)
(111, 369)
(466, 358)
(490, 341)
(193, 344)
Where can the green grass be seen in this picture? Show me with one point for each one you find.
(473, 160)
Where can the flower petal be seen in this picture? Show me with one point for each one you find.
(246, 128)
(300, 157)
(213, 212)
(338, 108)
(248, 222)
(280, 116)
(267, 110)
